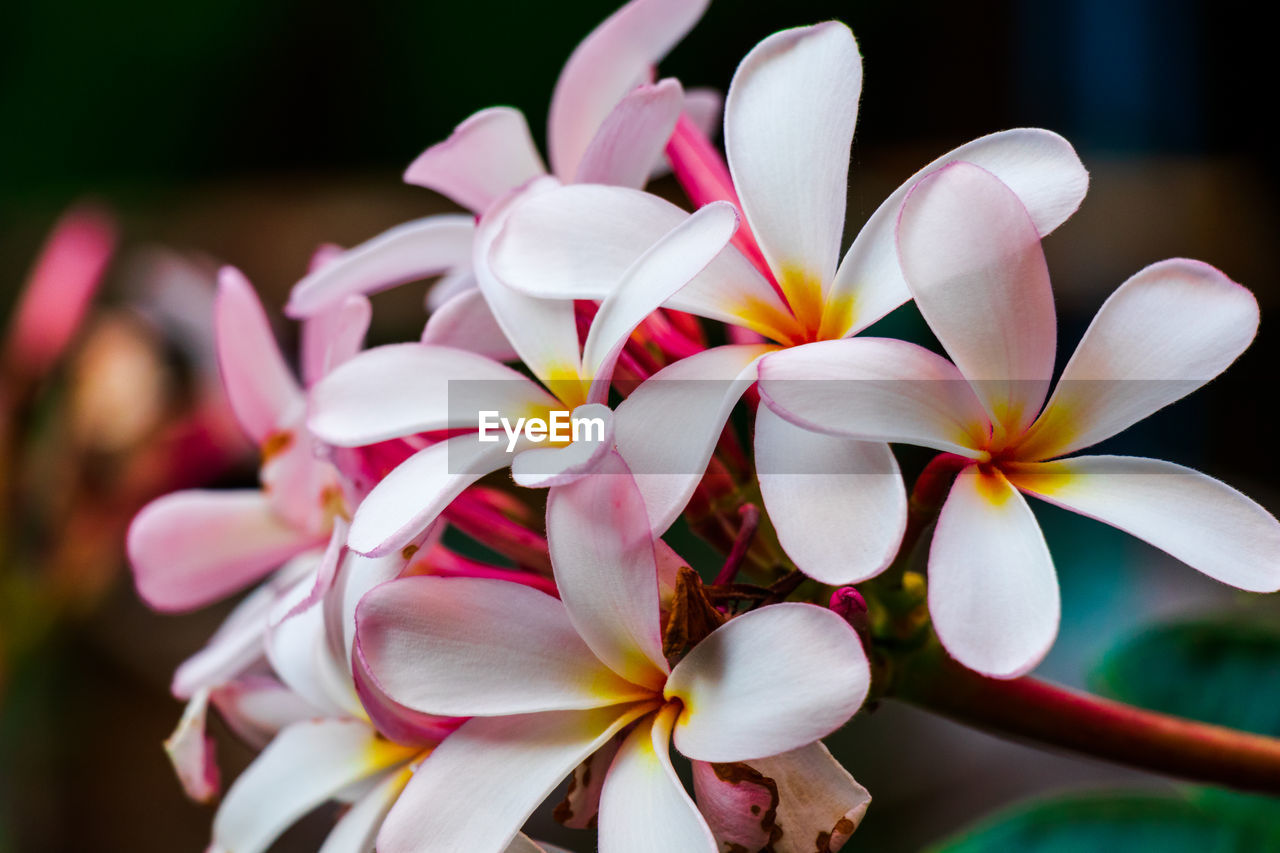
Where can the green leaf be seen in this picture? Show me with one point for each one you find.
(1122, 821)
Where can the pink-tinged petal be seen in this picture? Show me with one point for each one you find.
(465, 322)
(450, 285)
(418, 249)
(479, 647)
(300, 654)
(413, 495)
(301, 485)
(576, 242)
(766, 682)
(356, 575)
(802, 801)
(524, 844)
(644, 806)
(401, 389)
(705, 108)
(606, 572)
(697, 393)
(548, 467)
(333, 335)
(487, 156)
(1201, 521)
(580, 807)
(876, 389)
(396, 722)
(665, 268)
(192, 751)
(617, 56)
(789, 119)
(838, 504)
(256, 707)
(262, 392)
(972, 258)
(192, 548)
(1165, 332)
(1039, 166)
(358, 828)
(59, 290)
(478, 787)
(307, 764)
(993, 592)
(632, 138)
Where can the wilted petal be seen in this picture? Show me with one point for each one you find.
(581, 805)
(993, 593)
(333, 335)
(768, 681)
(487, 156)
(465, 322)
(1202, 521)
(192, 751)
(631, 139)
(838, 504)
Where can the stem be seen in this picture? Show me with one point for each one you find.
(750, 516)
(1056, 716)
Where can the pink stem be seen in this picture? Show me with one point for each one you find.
(509, 538)
(442, 562)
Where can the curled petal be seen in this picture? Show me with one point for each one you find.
(631, 139)
(465, 321)
(543, 467)
(487, 156)
(192, 752)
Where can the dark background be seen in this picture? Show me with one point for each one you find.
(251, 131)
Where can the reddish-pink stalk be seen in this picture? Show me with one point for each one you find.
(499, 533)
(750, 515)
(442, 562)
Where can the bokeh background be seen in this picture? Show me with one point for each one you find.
(248, 132)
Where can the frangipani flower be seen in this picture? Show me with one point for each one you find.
(548, 683)
(608, 123)
(406, 389)
(972, 257)
(193, 547)
(789, 121)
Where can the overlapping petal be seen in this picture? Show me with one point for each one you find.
(334, 335)
(465, 321)
(632, 137)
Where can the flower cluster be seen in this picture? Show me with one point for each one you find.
(443, 696)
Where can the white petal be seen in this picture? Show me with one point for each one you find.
(1165, 332)
(766, 682)
(307, 764)
(465, 322)
(605, 569)
(789, 119)
(479, 647)
(545, 467)
(478, 787)
(192, 752)
(401, 389)
(301, 655)
(407, 252)
(358, 828)
(668, 428)
(486, 157)
(971, 255)
(1039, 166)
(993, 593)
(1202, 521)
(644, 806)
(877, 389)
(409, 498)
(617, 56)
(334, 335)
(838, 504)
(632, 138)
(449, 285)
(257, 707)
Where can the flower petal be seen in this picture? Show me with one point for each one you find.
(479, 786)
(487, 156)
(695, 394)
(632, 138)
(1038, 165)
(401, 389)
(480, 647)
(334, 335)
(993, 592)
(789, 119)
(262, 392)
(616, 57)
(257, 707)
(307, 764)
(301, 655)
(972, 257)
(606, 573)
(358, 828)
(644, 806)
(799, 801)
(766, 682)
(1165, 332)
(545, 467)
(192, 751)
(417, 249)
(191, 548)
(466, 322)
(838, 504)
(1201, 521)
(876, 389)
(413, 495)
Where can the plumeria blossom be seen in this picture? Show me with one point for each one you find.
(549, 682)
(405, 389)
(608, 123)
(972, 258)
(788, 126)
(190, 548)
